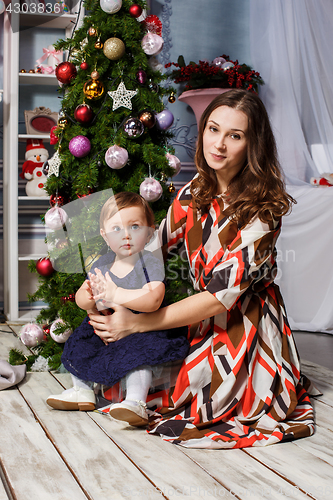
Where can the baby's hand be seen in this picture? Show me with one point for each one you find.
(106, 287)
(87, 287)
(97, 282)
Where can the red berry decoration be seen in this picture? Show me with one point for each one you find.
(65, 72)
(44, 267)
(83, 114)
(135, 10)
(84, 65)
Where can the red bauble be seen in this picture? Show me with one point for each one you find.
(57, 199)
(84, 65)
(153, 25)
(53, 138)
(83, 114)
(90, 191)
(135, 10)
(46, 330)
(65, 72)
(44, 267)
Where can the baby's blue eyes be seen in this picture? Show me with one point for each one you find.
(118, 228)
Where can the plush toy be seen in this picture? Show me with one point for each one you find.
(32, 169)
(325, 180)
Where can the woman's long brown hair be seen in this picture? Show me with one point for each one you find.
(258, 189)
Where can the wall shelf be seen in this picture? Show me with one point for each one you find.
(37, 79)
(13, 80)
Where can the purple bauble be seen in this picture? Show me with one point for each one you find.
(61, 337)
(152, 44)
(116, 157)
(151, 189)
(31, 334)
(141, 76)
(55, 218)
(133, 127)
(79, 146)
(164, 119)
(174, 162)
(218, 61)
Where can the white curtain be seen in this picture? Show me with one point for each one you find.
(291, 45)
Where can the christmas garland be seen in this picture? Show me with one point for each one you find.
(222, 72)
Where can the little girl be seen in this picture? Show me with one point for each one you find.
(130, 276)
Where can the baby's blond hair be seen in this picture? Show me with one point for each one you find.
(122, 200)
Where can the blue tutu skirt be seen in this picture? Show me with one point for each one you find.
(88, 358)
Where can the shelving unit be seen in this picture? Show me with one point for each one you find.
(12, 82)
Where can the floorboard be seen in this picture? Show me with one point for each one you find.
(56, 455)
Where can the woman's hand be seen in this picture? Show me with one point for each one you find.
(116, 326)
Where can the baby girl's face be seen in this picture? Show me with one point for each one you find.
(127, 231)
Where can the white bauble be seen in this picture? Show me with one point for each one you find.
(31, 334)
(151, 189)
(110, 6)
(55, 218)
(174, 162)
(61, 337)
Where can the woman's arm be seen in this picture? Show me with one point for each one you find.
(188, 311)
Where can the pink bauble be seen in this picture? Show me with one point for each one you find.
(116, 157)
(61, 337)
(151, 189)
(55, 218)
(152, 44)
(174, 162)
(31, 334)
(79, 146)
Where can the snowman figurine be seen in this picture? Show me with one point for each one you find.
(32, 169)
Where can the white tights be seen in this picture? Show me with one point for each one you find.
(137, 384)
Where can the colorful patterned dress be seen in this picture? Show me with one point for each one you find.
(240, 384)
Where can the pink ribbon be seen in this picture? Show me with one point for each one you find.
(47, 53)
(47, 69)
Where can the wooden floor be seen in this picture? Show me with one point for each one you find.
(53, 455)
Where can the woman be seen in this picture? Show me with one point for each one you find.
(240, 384)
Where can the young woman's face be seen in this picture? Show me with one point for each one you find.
(127, 231)
(225, 143)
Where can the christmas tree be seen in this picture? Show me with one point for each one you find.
(112, 132)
